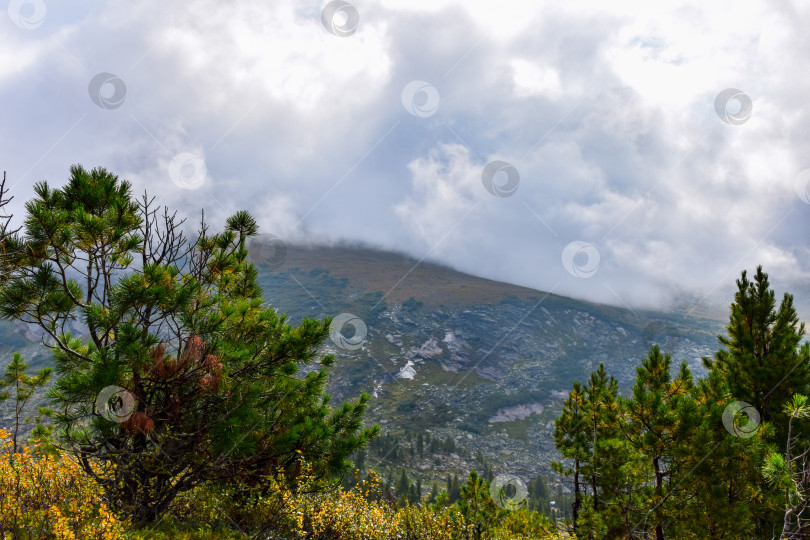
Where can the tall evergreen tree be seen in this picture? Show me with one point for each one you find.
(454, 489)
(719, 491)
(601, 417)
(602, 513)
(184, 376)
(15, 380)
(571, 438)
(477, 507)
(763, 360)
(664, 463)
(651, 426)
(434, 492)
(403, 487)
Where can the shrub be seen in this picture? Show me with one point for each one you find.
(47, 497)
(308, 510)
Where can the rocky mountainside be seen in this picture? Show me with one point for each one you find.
(480, 365)
(443, 353)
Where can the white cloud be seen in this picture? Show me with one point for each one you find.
(606, 110)
(532, 79)
(446, 187)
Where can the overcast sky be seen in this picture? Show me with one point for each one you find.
(625, 153)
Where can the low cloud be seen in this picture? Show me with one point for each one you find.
(608, 115)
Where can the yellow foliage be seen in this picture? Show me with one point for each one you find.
(42, 496)
(46, 497)
(310, 511)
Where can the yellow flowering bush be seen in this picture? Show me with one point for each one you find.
(47, 497)
(307, 510)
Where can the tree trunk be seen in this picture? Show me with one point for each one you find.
(577, 496)
(659, 488)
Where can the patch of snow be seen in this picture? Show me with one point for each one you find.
(407, 371)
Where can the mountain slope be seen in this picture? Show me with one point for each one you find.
(479, 365)
(484, 363)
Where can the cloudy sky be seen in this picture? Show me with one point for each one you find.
(626, 153)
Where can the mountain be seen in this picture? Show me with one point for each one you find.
(478, 366)
(450, 355)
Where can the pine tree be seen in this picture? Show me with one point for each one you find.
(185, 377)
(607, 498)
(454, 489)
(719, 496)
(10, 244)
(434, 492)
(790, 472)
(571, 438)
(23, 387)
(402, 486)
(477, 507)
(538, 495)
(705, 481)
(763, 361)
(652, 426)
(601, 417)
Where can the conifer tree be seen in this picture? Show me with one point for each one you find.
(477, 507)
(434, 492)
(601, 417)
(403, 487)
(790, 472)
(651, 426)
(454, 489)
(602, 511)
(15, 380)
(763, 360)
(184, 375)
(9, 240)
(719, 493)
(664, 463)
(571, 438)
